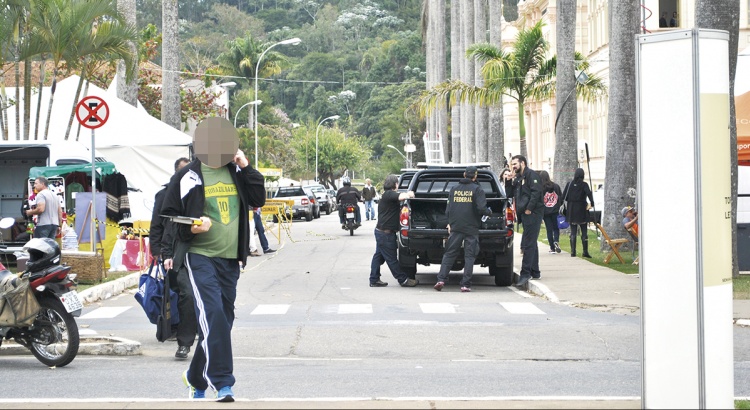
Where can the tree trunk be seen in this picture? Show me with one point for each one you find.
(481, 113)
(27, 68)
(455, 75)
(496, 132)
(566, 130)
(128, 91)
(522, 127)
(18, 97)
(441, 73)
(76, 97)
(42, 73)
(468, 154)
(51, 101)
(170, 111)
(725, 15)
(621, 165)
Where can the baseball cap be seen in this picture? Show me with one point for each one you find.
(471, 171)
(625, 210)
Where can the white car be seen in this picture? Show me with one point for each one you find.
(327, 205)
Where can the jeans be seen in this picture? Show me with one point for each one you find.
(45, 231)
(369, 210)
(385, 251)
(553, 232)
(452, 249)
(532, 224)
(261, 231)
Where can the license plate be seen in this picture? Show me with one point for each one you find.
(71, 302)
(350, 214)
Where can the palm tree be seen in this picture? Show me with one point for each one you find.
(242, 57)
(522, 74)
(13, 12)
(496, 132)
(566, 130)
(170, 89)
(622, 135)
(481, 113)
(456, 75)
(724, 15)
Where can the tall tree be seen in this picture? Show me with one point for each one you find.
(170, 112)
(725, 15)
(468, 154)
(456, 65)
(496, 131)
(523, 73)
(127, 90)
(622, 135)
(566, 121)
(481, 113)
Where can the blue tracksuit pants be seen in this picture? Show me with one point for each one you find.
(214, 282)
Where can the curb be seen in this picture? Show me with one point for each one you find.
(90, 345)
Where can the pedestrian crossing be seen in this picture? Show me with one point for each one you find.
(513, 308)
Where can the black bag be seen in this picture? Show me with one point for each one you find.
(168, 316)
(564, 207)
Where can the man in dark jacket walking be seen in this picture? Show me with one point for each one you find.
(530, 209)
(466, 205)
(178, 280)
(217, 188)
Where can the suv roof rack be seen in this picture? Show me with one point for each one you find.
(427, 165)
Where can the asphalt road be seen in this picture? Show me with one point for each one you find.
(309, 328)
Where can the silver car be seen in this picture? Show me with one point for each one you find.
(327, 204)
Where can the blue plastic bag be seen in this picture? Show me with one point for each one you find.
(151, 289)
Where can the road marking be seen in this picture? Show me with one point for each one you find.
(355, 308)
(437, 307)
(270, 310)
(105, 312)
(521, 308)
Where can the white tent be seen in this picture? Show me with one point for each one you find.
(142, 147)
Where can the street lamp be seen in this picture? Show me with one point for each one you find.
(332, 118)
(400, 153)
(292, 41)
(581, 78)
(256, 103)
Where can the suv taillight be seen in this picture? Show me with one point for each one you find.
(509, 218)
(404, 220)
(304, 201)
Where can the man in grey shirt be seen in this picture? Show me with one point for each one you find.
(48, 209)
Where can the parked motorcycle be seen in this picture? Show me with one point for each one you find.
(53, 335)
(350, 222)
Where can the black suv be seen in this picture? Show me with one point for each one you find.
(424, 224)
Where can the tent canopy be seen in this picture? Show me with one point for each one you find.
(102, 168)
(142, 147)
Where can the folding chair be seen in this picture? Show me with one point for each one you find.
(614, 245)
(634, 237)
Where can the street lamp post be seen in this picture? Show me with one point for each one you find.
(332, 118)
(256, 103)
(581, 78)
(292, 41)
(400, 153)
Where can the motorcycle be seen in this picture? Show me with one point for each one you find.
(350, 223)
(53, 336)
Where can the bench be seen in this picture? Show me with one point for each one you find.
(614, 245)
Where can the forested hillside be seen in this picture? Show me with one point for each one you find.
(361, 60)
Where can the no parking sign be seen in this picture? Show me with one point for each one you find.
(92, 112)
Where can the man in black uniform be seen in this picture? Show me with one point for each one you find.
(466, 205)
(386, 230)
(188, 326)
(347, 194)
(530, 209)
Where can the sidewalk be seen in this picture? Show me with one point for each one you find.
(578, 282)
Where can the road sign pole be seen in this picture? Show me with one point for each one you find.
(93, 194)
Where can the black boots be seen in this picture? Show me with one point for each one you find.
(572, 246)
(585, 242)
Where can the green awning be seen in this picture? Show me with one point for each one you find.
(102, 168)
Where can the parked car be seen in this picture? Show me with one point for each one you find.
(324, 199)
(332, 195)
(305, 203)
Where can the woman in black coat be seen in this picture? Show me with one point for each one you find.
(576, 193)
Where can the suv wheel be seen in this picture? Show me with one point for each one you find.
(309, 216)
(503, 276)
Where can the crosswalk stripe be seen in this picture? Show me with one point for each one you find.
(437, 307)
(522, 308)
(270, 310)
(355, 308)
(105, 312)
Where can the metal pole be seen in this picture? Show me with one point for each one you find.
(93, 193)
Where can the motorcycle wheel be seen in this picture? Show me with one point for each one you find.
(56, 341)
